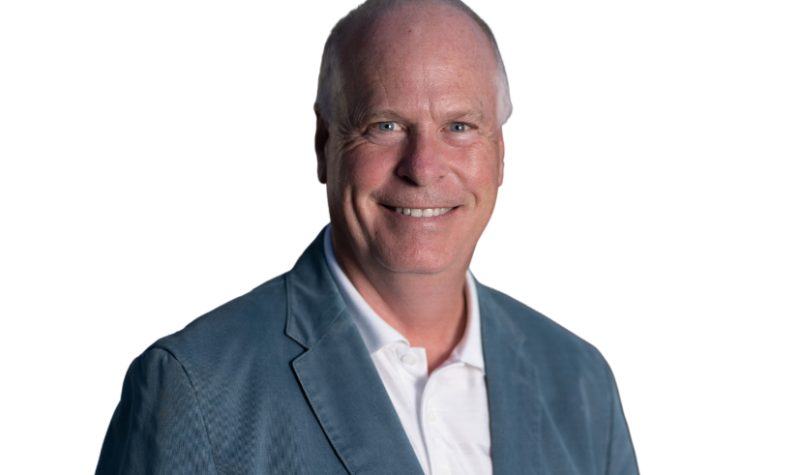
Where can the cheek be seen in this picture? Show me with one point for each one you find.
(366, 172)
(482, 172)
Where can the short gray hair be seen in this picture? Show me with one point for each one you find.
(330, 71)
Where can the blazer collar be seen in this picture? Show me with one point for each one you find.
(314, 302)
(337, 375)
(515, 408)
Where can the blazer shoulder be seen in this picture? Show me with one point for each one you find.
(543, 336)
(574, 384)
(235, 327)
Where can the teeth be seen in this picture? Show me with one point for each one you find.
(422, 212)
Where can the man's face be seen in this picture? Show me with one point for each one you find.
(413, 163)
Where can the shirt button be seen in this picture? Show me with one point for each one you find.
(408, 359)
(442, 470)
(432, 417)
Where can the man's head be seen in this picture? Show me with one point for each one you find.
(411, 102)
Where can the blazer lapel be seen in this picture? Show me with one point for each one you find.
(338, 376)
(515, 410)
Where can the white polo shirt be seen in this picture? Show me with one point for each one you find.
(445, 415)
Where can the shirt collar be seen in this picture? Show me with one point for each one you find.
(377, 334)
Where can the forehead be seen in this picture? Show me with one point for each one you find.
(416, 24)
(431, 49)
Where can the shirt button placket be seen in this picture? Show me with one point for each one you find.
(438, 460)
(430, 422)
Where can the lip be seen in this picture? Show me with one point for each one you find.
(419, 212)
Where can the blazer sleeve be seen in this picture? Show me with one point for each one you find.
(621, 458)
(157, 427)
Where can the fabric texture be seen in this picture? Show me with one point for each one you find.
(279, 381)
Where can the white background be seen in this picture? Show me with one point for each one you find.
(157, 161)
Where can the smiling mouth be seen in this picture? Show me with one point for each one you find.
(422, 212)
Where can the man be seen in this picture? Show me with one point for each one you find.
(378, 353)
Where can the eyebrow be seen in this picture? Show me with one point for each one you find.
(465, 116)
(391, 115)
(360, 116)
(387, 114)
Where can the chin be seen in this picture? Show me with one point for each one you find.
(427, 262)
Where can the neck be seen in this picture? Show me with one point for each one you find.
(430, 310)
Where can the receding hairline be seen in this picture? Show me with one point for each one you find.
(359, 21)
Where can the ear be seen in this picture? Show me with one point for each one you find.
(320, 143)
(501, 152)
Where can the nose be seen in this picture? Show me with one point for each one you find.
(422, 162)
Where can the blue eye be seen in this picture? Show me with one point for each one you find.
(458, 127)
(387, 132)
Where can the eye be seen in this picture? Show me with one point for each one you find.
(387, 132)
(387, 126)
(458, 127)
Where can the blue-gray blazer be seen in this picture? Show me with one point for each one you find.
(279, 381)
